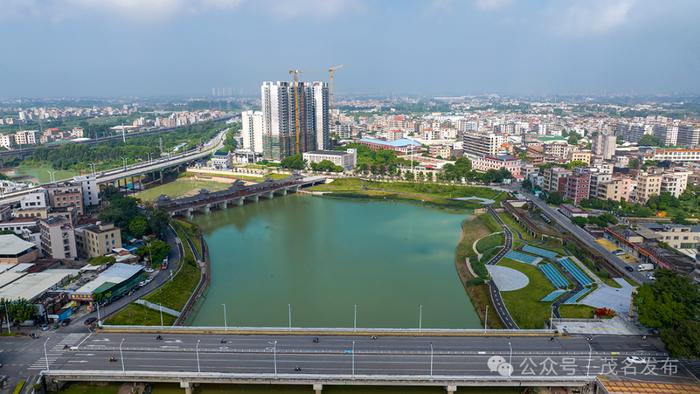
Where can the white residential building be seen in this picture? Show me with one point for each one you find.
(252, 131)
(91, 192)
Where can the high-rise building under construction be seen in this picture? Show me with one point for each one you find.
(295, 118)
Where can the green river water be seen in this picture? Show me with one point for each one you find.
(324, 255)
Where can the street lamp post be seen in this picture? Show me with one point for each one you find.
(486, 318)
(121, 354)
(225, 318)
(92, 165)
(46, 354)
(274, 355)
(510, 356)
(161, 315)
(354, 324)
(590, 355)
(99, 319)
(197, 352)
(353, 359)
(289, 313)
(420, 318)
(7, 317)
(431, 359)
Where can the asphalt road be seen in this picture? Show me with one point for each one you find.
(585, 237)
(496, 298)
(174, 257)
(385, 355)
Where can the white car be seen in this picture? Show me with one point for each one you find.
(149, 270)
(635, 360)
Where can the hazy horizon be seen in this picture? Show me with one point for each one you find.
(180, 48)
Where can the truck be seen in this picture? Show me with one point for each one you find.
(645, 267)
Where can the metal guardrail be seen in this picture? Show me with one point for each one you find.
(330, 330)
(335, 379)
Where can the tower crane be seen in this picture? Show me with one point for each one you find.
(331, 73)
(295, 84)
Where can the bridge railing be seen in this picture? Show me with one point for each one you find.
(329, 330)
(337, 379)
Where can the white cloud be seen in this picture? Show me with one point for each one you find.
(594, 16)
(153, 10)
(324, 8)
(489, 5)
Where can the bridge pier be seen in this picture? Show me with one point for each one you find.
(282, 192)
(451, 389)
(207, 208)
(224, 205)
(269, 195)
(318, 388)
(254, 198)
(187, 386)
(238, 201)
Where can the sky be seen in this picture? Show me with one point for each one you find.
(71, 48)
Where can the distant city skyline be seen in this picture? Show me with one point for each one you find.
(441, 47)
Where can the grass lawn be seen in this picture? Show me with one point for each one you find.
(425, 192)
(489, 242)
(514, 226)
(179, 188)
(175, 293)
(473, 229)
(37, 172)
(488, 254)
(192, 231)
(524, 304)
(576, 311)
(135, 314)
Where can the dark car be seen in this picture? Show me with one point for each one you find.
(90, 320)
(65, 322)
(628, 268)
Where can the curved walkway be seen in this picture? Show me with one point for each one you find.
(496, 298)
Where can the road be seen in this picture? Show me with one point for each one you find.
(386, 355)
(585, 237)
(174, 258)
(136, 169)
(496, 299)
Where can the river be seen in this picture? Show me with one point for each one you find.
(325, 255)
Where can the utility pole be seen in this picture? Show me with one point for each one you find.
(354, 325)
(420, 318)
(289, 310)
(486, 319)
(121, 354)
(7, 317)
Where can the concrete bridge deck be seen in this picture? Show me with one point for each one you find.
(349, 359)
(237, 194)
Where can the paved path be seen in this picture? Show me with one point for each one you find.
(496, 298)
(583, 236)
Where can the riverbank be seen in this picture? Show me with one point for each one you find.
(426, 193)
(467, 265)
(178, 293)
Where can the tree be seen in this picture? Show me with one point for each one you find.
(230, 143)
(101, 260)
(634, 163)
(120, 210)
(671, 304)
(573, 138)
(579, 221)
(18, 310)
(138, 227)
(554, 198)
(158, 221)
(650, 140)
(155, 250)
(294, 162)
(527, 184)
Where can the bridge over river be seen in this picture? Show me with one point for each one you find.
(317, 357)
(237, 194)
